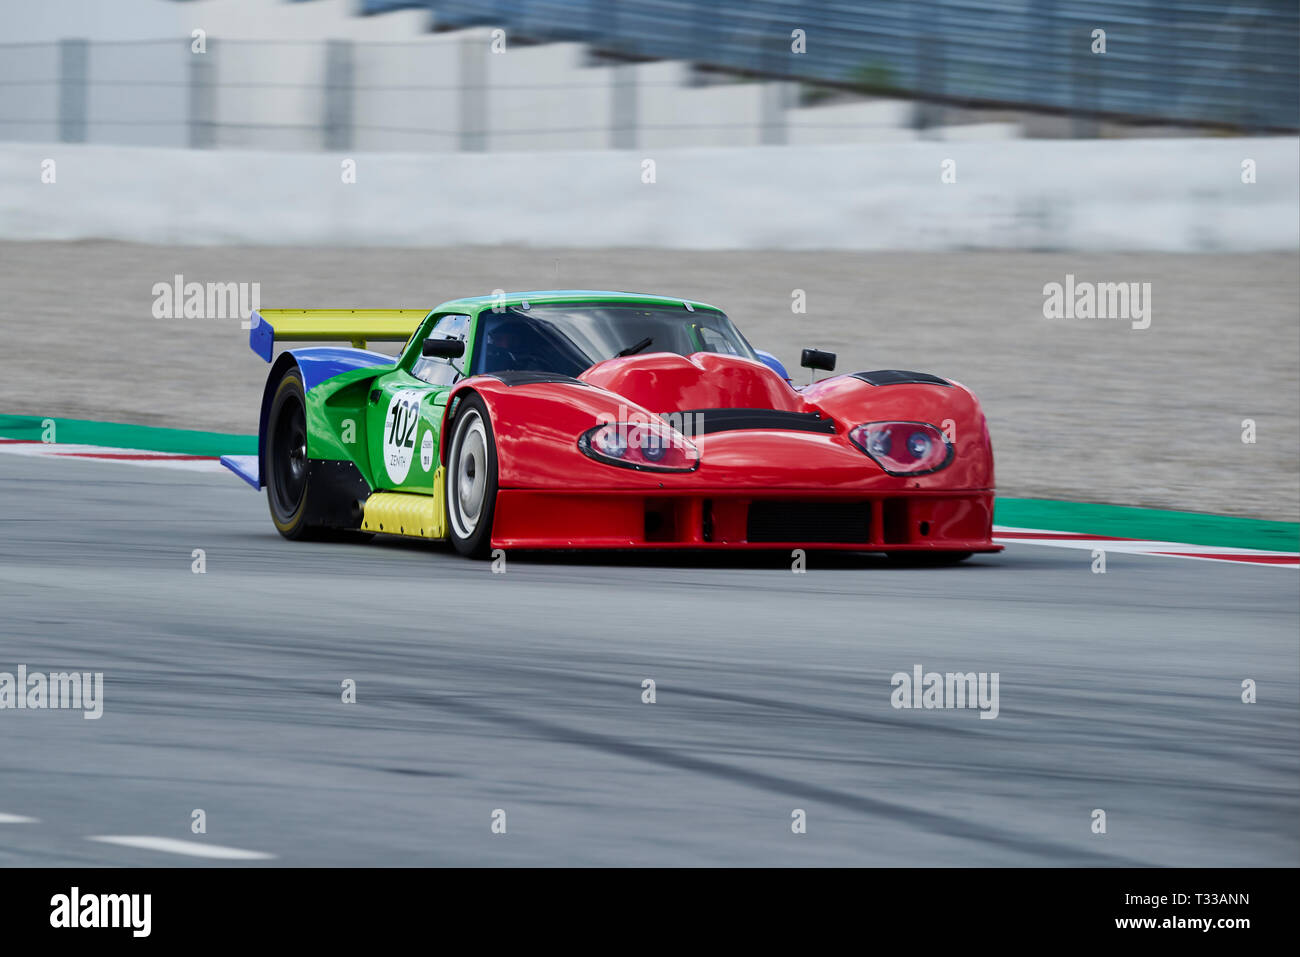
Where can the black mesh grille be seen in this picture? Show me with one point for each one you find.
(727, 420)
(837, 522)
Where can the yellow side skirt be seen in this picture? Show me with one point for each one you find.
(408, 513)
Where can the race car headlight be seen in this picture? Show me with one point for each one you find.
(610, 443)
(647, 446)
(903, 448)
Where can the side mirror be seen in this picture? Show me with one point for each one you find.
(816, 359)
(443, 348)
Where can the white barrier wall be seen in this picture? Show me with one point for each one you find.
(1177, 195)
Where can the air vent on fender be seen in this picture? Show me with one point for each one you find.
(513, 377)
(899, 377)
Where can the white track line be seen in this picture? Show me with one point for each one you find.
(98, 453)
(170, 845)
(17, 819)
(1137, 546)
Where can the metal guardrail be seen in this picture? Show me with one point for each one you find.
(1233, 64)
(434, 94)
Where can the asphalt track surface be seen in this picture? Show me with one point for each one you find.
(522, 691)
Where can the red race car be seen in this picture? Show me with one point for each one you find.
(578, 419)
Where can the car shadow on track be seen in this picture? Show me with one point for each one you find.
(775, 559)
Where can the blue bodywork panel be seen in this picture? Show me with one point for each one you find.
(261, 337)
(319, 363)
(773, 363)
(245, 466)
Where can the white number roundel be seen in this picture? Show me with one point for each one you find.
(399, 433)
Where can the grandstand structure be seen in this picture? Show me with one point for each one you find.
(529, 75)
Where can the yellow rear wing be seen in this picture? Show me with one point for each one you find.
(357, 326)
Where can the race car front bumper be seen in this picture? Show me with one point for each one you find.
(911, 521)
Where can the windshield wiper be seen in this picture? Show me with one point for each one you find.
(633, 350)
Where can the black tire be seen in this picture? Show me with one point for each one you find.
(929, 559)
(288, 484)
(471, 479)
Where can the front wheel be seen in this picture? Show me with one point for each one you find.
(471, 479)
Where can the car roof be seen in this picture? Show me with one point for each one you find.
(544, 296)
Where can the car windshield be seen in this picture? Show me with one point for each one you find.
(569, 339)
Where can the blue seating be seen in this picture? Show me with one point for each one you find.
(1188, 61)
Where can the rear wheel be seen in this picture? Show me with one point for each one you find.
(471, 481)
(288, 479)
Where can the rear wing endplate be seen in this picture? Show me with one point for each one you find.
(357, 326)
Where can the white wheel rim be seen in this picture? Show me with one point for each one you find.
(467, 478)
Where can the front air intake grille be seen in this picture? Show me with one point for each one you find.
(831, 522)
(708, 421)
